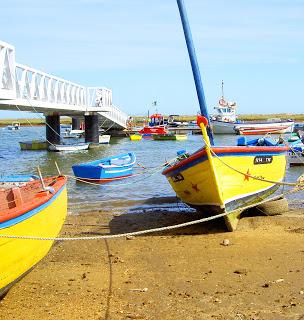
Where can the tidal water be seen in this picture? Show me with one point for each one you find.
(149, 187)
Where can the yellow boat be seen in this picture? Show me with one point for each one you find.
(135, 137)
(33, 145)
(222, 179)
(29, 210)
(211, 179)
(181, 137)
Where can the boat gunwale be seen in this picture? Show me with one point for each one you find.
(99, 163)
(18, 211)
(222, 151)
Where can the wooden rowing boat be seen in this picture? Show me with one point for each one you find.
(221, 179)
(29, 210)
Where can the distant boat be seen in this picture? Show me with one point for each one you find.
(170, 136)
(73, 133)
(225, 121)
(33, 145)
(29, 210)
(261, 130)
(68, 147)
(104, 139)
(14, 126)
(135, 137)
(107, 169)
(296, 153)
(156, 125)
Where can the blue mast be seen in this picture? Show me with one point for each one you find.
(194, 65)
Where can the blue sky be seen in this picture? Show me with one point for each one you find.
(137, 48)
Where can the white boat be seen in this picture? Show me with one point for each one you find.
(104, 139)
(225, 121)
(14, 126)
(70, 133)
(296, 154)
(68, 147)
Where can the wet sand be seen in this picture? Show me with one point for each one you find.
(181, 274)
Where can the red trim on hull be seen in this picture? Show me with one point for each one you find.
(220, 150)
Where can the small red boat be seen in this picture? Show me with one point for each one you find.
(155, 126)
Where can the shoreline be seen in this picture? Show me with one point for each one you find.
(139, 119)
(180, 274)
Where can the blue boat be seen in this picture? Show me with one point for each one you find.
(107, 169)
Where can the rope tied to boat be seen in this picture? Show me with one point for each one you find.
(147, 231)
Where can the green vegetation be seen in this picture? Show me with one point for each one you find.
(34, 122)
(245, 117)
(138, 120)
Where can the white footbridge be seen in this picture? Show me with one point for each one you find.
(27, 89)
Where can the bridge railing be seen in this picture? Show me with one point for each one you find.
(33, 84)
(7, 71)
(27, 86)
(101, 97)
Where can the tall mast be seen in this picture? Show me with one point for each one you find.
(194, 66)
(222, 89)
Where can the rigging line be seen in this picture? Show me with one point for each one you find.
(35, 127)
(38, 113)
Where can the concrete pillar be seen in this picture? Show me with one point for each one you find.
(53, 129)
(91, 128)
(75, 123)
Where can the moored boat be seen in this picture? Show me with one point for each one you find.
(296, 153)
(68, 147)
(224, 179)
(29, 210)
(73, 133)
(135, 137)
(104, 139)
(33, 145)
(170, 136)
(225, 121)
(106, 169)
(263, 128)
(156, 125)
(14, 126)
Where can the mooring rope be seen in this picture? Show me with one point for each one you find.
(141, 232)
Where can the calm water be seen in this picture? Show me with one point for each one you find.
(121, 194)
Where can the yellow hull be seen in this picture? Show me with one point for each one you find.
(33, 145)
(214, 186)
(181, 137)
(135, 137)
(18, 256)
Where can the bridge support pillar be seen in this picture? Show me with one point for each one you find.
(53, 129)
(91, 134)
(75, 123)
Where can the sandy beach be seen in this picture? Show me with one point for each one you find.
(182, 274)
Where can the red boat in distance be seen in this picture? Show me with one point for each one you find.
(156, 125)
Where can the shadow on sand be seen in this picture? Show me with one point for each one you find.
(158, 218)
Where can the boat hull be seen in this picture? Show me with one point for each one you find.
(33, 145)
(19, 256)
(221, 127)
(135, 137)
(251, 128)
(66, 147)
(214, 187)
(106, 170)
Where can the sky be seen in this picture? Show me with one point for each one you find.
(137, 49)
